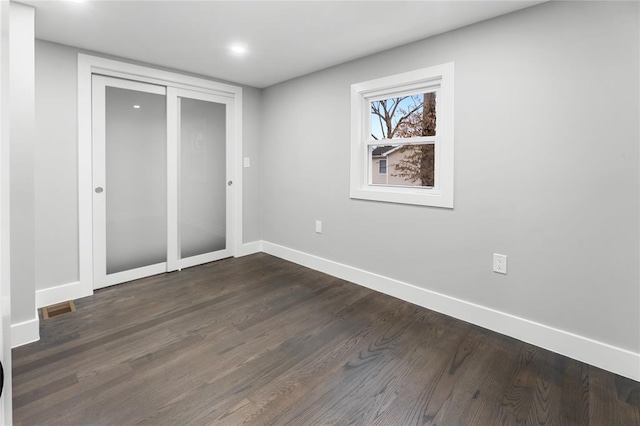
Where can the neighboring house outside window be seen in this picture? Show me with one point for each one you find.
(386, 170)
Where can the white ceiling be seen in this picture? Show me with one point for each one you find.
(286, 39)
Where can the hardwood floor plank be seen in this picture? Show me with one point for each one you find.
(545, 407)
(574, 398)
(43, 391)
(520, 393)
(51, 410)
(628, 391)
(483, 386)
(603, 406)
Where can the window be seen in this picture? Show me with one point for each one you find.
(404, 125)
(382, 167)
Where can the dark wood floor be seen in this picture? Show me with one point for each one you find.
(261, 341)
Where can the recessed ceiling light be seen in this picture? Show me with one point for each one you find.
(238, 49)
(136, 106)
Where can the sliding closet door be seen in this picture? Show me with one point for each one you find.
(163, 193)
(203, 190)
(130, 180)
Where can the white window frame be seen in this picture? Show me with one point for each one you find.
(437, 78)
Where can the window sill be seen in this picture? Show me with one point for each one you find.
(413, 196)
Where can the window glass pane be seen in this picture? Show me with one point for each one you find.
(404, 117)
(404, 165)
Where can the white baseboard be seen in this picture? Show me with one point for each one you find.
(249, 248)
(59, 294)
(599, 354)
(25, 332)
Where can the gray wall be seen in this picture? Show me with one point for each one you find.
(546, 170)
(56, 212)
(252, 146)
(56, 165)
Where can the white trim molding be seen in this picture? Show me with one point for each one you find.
(249, 248)
(617, 360)
(25, 332)
(59, 294)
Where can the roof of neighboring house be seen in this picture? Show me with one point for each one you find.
(382, 150)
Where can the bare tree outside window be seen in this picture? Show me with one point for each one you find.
(407, 117)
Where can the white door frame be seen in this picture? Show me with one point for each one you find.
(89, 65)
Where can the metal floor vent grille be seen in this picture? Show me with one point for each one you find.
(58, 309)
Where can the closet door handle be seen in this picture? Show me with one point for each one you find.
(99, 190)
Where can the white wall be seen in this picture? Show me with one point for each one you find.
(56, 239)
(546, 170)
(21, 92)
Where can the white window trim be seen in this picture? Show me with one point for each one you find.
(441, 77)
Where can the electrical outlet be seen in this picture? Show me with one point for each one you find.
(500, 263)
(246, 162)
(318, 227)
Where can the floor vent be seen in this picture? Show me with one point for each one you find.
(58, 309)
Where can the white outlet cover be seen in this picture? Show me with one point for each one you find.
(500, 263)
(247, 161)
